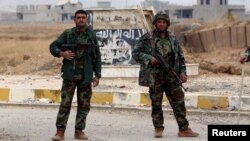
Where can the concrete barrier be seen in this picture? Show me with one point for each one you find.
(194, 100)
(194, 41)
(218, 37)
(133, 70)
(226, 36)
(204, 40)
(208, 39)
(233, 30)
(210, 35)
(248, 33)
(241, 36)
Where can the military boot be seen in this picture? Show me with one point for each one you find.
(80, 135)
(58, 136)
(158, 132)
(187, 133)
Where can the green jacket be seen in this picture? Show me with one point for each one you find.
(143, 51)
(91, 56)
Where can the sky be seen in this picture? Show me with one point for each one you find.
(10, 5)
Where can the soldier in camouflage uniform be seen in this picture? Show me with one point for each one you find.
(246, 55)
(77, 72)
(151, 74)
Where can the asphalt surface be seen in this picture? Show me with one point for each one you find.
(37, 123)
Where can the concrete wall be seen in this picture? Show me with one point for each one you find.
(238, 36)
(43, 8)
(226, 36)
(44, 17)
(208, 12)
(28, 17)
(111, 71)
(248, 34)
(194, 41)
(235, 36)
(22, 8)
(208, 39)
(8, 16)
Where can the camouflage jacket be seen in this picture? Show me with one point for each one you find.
(91, 55)
(142, 53)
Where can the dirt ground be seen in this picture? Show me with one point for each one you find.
(26, 62)
(25, 50)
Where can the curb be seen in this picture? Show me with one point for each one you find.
(131, 108)
(193, 100)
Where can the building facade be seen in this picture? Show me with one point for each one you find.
(63, 11)
(204, 10)
(209, 10)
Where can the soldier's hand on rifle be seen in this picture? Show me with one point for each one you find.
(95, 81)
(243, 59)
(68, 54)
(183, 77)
(153, 61)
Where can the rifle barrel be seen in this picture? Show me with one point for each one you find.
(169, 70)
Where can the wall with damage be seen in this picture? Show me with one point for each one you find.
(118, 30)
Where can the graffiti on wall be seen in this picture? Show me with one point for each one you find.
(118, 19)
(118, 44)
(117, 31)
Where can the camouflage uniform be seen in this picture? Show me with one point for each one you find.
(247, 53)
(157, 80)
(77, 73)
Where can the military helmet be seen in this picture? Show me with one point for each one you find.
(163, 16)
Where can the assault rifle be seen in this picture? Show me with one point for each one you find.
(168, 69)
(73, 47)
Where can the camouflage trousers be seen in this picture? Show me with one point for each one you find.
(175, 96)
(84, 93)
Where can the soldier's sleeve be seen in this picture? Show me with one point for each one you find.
(54, 46)
(182, 63)
(139, 54)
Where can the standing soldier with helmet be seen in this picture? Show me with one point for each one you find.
(164, 43)
(246, 56)
(81, 59)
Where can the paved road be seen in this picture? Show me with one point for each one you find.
(31, 123)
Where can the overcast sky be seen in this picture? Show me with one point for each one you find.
(10, 5)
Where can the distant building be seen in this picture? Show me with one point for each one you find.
(158, 5)
(32, 13)
(8, 17)
(63, 11)
(204, 10)
(248, 15)
(208, 10)
(104, 4)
